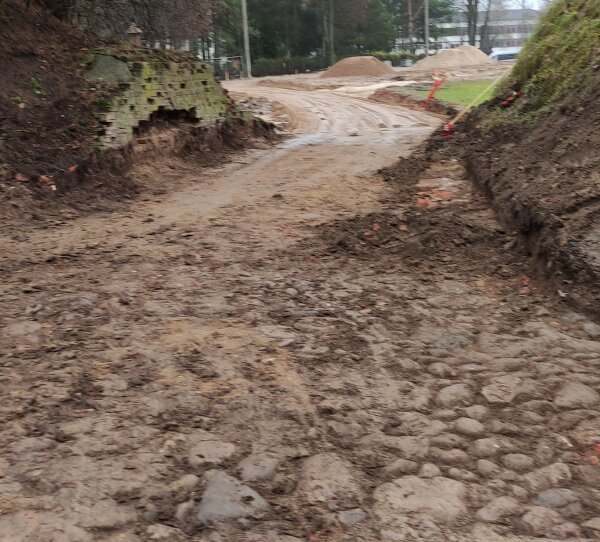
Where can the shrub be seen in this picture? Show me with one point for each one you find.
(395, 57)
(286, 66)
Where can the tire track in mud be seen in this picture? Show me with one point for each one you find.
(325, 112)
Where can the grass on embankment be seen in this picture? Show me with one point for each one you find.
(563, 49)
(556, 64)
(460, 92)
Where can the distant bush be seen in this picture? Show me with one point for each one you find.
(262, 67)
(395, 57)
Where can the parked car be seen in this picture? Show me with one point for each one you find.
(505, 53)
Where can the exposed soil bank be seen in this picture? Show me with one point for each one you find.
(546, 184)
(543, 183)
(47, 121)
(106, 181)
(398, 96)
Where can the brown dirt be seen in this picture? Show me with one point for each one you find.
(461, 57)
(331, 338)
(108, 182)
(46, 112)
(543, 183)
(356, 66)
(397, 96)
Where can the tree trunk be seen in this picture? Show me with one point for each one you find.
(411, 26)
(332, 57)
(472, 19)
(325, 33)
(486, 45)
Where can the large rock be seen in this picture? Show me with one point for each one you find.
(469, 427)
(226, 498)
(486, 447)
(454, 395)
(498, 509)
(258, 467)
(350, 518)
(518, 462)
(576, 395)
(438, 497)
(210, 451)
(556, 498)
(327, 477)
(539, 521)
(502, 390)
(547, 477)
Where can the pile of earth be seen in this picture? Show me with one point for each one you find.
(461, 57)
(357, 66)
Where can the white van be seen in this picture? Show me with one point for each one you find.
(503, 54)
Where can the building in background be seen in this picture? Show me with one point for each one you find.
(505, 28)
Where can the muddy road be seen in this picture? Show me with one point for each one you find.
(292, 349)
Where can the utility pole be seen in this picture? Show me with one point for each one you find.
(427, 27)
(247, 59)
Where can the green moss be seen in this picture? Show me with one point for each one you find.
(35, 87)
(103, 104)
(159, 81)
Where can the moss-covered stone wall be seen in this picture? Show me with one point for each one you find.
(135, 85)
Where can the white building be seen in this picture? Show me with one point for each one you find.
(506, 28)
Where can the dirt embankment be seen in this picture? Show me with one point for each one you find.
(399, 96)
(546, 183)
(47, 121)
(51, 162)
(533, 151)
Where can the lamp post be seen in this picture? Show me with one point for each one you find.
(247, 59)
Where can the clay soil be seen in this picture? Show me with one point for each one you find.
(542, 182)
(358, 66)
(292, 347)
(461, 57)
(545, 182)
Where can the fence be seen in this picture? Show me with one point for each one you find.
(228, 67)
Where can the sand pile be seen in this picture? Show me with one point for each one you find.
(463, 56)
(358, 65)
